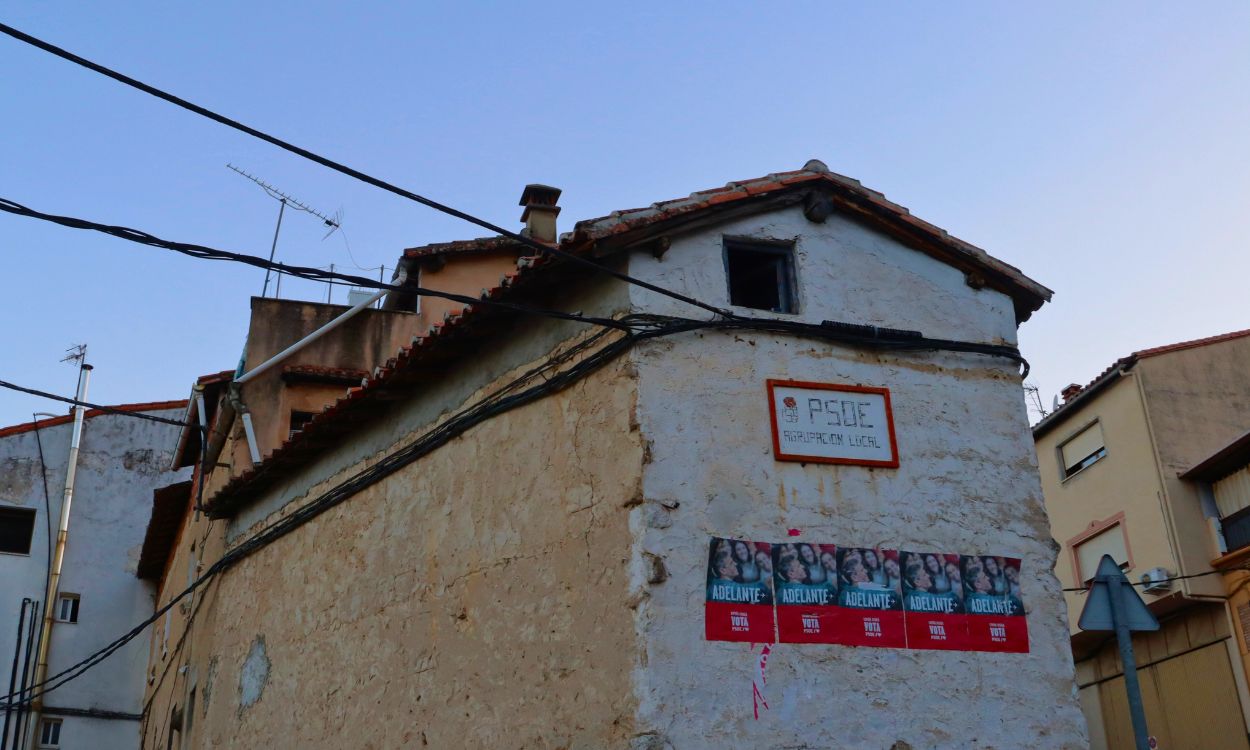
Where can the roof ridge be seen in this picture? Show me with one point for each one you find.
(24, 427)
(1131, 359)
(1192, 343)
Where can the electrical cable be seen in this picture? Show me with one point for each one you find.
(305, 272)
(496, 403)
(47, 505)
(89, 405)
(350, 172)
(873, 336)
(1086, 589)
(502, 400)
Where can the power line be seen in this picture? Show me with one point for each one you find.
(305, 272)
(1085, 589)
(639, 328)
(859, 335)
(89, 405)
(503, 399)
(350, 172)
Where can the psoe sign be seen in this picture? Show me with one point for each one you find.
(832, 424)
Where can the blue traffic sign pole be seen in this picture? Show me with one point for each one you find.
(1115, 587)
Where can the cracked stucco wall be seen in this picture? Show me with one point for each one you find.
(967, 482)
(121, 460)
(478, 598)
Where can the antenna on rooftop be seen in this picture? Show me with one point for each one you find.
(284, 200)
(75, 354)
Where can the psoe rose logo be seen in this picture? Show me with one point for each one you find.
(790, 402)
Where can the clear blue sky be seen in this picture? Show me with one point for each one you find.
(1102, 148)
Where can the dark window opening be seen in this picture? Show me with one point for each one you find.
(1089, 460)
(17, 525)
(298, 421)
(1236, 528)
(761, 276)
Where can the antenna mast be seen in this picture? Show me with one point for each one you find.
(284, 200)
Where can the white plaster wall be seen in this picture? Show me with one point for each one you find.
(846, 272)
(967, 483)
(121, 460)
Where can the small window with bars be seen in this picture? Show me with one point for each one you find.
(67, 608)
(1082, 450)
(49, 734)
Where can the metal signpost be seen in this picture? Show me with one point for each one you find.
(1113, 604)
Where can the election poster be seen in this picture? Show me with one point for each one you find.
(992, 602)
(933, 604)
(806, 582)
(739, 603)
(870, 598)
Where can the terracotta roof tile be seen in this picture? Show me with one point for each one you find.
(317, 372)
(318, 432)
(18, 429)
(1124, 363)
(462, 247)
(168, 505)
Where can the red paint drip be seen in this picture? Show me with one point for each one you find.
(757, 698)
(794, 532)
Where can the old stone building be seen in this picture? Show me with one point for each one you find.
(501, 537)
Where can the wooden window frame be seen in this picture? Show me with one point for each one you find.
(788, 291)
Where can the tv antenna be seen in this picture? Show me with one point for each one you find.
(76, 354)
(284, 200)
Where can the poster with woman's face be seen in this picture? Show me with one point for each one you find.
(994, 604)
(739, 605)
(869, 592)
(933, 600)
(805, 575)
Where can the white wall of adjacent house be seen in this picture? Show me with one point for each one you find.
(121, 461)
(967, 482)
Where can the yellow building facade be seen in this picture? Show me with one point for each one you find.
(1114, 462)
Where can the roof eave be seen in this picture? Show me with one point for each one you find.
(1054, 419)
(632, 229)
(1223, 462)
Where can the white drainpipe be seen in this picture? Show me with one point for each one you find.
(400, 277)
(58, 556)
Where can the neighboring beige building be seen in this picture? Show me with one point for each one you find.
(1112, 459)
(501, 537)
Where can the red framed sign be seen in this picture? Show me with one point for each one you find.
(832, 424)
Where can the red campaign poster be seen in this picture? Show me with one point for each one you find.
(994, 607)
(870, 598)
(806, 582)
(933, 605)
(739, 592)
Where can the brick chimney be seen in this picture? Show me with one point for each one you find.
(540, 212)
(1070, 392)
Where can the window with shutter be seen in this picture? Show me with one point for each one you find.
(1083, 449)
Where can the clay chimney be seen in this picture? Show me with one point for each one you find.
(540, 212)
(1070, 392)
